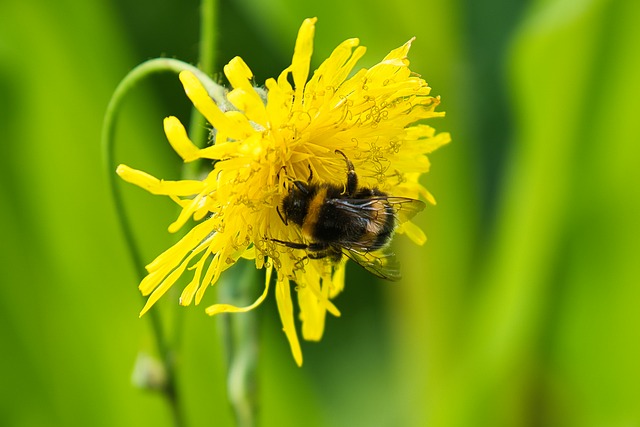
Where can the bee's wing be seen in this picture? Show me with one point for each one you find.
(383, 264)
(405, 208)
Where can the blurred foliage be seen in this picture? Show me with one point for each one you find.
(521, 309)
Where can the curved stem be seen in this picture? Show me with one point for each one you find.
(142, 71)
(134, 77)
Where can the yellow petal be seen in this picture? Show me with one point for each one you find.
(250, 103)
(167, 283)
(203, 102)
(302, 57)
(313, 286)
(228, 308)
(249, 253)
(238, 72)
(187, 211)
(391, 65)
(285, 308)
(158, 186)
(331, 69)
(337, 280)
(414, 232)
(399, 54)
(438, 141)
(313, 308)
(311, 314)
(244, 97)
(220, 151)
(179, 140)
(193, 239)
(186, 297)
(278, 104)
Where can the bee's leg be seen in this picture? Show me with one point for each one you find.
(323, 250)
(324, 253)
(314, 250)
(317, 255)
(291, 245)
(333, 253)
(318, 247)
(352, 178)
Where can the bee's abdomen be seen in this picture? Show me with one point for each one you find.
(333, 226)
(369, 227)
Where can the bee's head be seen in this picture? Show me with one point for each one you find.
(295, 204)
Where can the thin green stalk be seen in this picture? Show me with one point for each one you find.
(206, 52)
(239, 333)
(206, 62)
(134, 77)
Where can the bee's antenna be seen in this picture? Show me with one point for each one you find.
(301, 186)
(288, 178)
(284, 220)
(310, 173)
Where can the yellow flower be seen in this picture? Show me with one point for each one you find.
(261, 146)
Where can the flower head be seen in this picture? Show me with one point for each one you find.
(261, 147)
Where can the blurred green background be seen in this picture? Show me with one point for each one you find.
(521, 309)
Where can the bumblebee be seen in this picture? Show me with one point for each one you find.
(337, 220)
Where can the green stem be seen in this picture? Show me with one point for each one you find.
(129, 82)
(197, 125)
(206, 52)
(239, 333)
